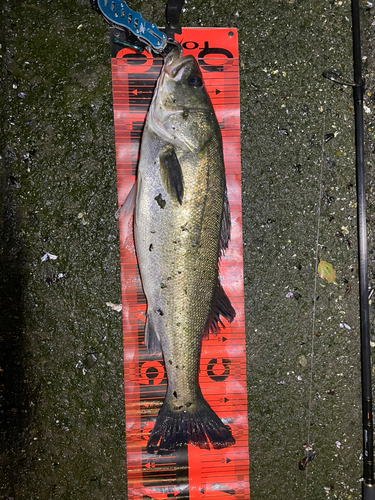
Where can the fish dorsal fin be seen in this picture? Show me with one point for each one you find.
(225, 226)
(152, 341)
(171, 173)
(221, 306)
(128, 206)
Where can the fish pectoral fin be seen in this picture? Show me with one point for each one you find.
(225, 226)
(128, 206)
(171, 173)
(221, 306)
(152, 340)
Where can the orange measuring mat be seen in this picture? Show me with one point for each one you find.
(190, 473)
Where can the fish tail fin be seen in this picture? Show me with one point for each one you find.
(197, 425)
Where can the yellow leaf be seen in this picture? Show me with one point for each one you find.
(326, 271)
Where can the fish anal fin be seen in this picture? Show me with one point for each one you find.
(171, 173)
(152, 341)
(225, 226)
(128, 206)
(221, 306)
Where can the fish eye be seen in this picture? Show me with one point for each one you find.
(195, 81)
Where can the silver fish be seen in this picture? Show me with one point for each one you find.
(181, 227)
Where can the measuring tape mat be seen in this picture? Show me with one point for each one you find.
(190, 473)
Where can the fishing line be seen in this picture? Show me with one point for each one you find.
(309, 455)
(308, 444)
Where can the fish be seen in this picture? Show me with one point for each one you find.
(181, 229)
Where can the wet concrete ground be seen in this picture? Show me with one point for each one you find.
(62, 432)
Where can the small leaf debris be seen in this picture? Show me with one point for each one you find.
(56, 277)
(14, 181)
(160, 201)
(91, 359)
(328, 137)
(344, 325)
(48, 256)
(302, 361)
(114, 307)
(326, 271)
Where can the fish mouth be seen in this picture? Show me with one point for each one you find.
(175, 65)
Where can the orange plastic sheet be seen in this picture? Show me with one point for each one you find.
(190, 473)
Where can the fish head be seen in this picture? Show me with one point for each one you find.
(181, 111)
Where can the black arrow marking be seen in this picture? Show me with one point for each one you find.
(222, 487)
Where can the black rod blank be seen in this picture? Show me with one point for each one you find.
(368, 485)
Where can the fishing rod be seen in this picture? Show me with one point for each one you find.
(368, 485)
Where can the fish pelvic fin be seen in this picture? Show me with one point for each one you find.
(127, 207)
(197, 425)
(221, 306)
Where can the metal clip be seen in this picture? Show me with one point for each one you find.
(173, 12)
(118, 14)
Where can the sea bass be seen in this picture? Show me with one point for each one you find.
(181, 227)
